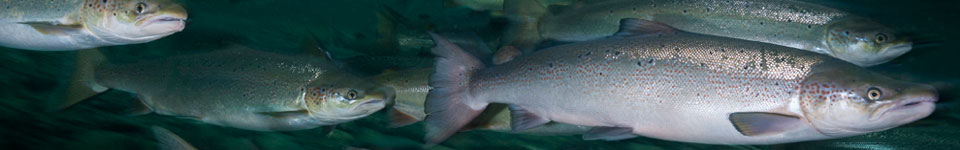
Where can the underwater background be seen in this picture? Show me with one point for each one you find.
(359, 33)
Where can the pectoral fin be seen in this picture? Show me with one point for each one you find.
(763, 123)
(53, 28)
(521, 119)
(609, 133)
(399, 118)
(287, 114)
(639, 27)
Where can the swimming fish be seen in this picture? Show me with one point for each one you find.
(652, 80)
(236, 87)
(793, 24)
(411, 87)
(82, 24)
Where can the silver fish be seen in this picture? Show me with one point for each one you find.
(655, 81)
(82, 24)
(411, 87)
(237, 87)
(789, 23)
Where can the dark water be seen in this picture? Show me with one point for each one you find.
(353, 32)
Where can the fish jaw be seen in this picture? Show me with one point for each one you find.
(838, 103)
(168, 20)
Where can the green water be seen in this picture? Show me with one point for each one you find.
(349, 29)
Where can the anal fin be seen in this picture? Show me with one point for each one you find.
(609, 133)
(522, 119)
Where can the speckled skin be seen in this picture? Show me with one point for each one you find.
(411, 87)
(789, 23)
(93, 23)
(232, 88)
(684, 87)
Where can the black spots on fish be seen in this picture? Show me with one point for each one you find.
(684, 11)
(761, 23)
(650, 62)
(611, 12)
(702, 64)
(741, 51)
(745, 67)
(640, 63)
(550, 64)
(529, 69)
(809, 26)
(723, 50)
(790, 20)
(617, 53)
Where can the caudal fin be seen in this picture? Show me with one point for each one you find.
(449, 106)
(523, 30)
(166, 140)
(82, 84)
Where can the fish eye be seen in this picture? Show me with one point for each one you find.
(352, 95)
(874, 94)
(882, 38)
(141, 7)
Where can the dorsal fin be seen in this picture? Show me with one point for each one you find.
(638, 27)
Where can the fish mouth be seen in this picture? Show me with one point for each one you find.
(913, 103)
(165, 19)
(370, 103)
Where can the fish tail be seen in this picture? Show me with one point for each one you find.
(82, 84)
(523, 31)
(166, 140)
(449, 105)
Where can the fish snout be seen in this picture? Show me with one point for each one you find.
(919, 95)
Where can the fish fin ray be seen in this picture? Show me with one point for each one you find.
(638, 27)
(82, 85)
(54, 28)
(522, 119)
(523, 29)
(328, 130)
(763, 123)
(505, 54)
(139, 108)
(399, 118)
(167, 140)
(448, 104)
(609, 133)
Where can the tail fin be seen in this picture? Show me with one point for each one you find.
(448, 105)
(82, 84)
(523, 31)
(169, 141)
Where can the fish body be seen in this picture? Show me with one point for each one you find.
(411, 92)
(241, 88)
(82, 24)
(655, 81)
(793, 24)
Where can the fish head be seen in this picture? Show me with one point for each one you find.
(138, 21)
(346, 99)
(864, 42)
(854, 101)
